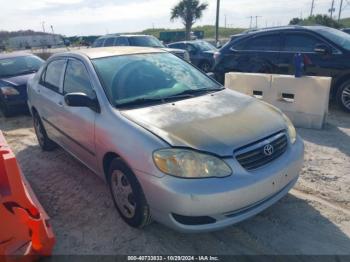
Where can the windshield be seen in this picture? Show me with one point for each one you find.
(340, 38)
(22, 65)
(131, 78)
(205, 46)
(148, 41)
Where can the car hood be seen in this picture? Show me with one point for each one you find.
(16, 80)
(218, 123)
(210, 52)
(174, 50)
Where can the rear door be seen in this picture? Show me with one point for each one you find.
(78, 124)
(305, 43)
(256, 54)
(50, 96)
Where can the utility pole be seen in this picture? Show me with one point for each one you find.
(43, 25)
(340, 9)
(256, 21)
(312, 7)
(225, 21)
(251, 22)
(217, 21)
(332, 9)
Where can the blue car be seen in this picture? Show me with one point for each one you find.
(201, 53)
(15, 70)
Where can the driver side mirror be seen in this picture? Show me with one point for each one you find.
(322, 49)
(82, 100)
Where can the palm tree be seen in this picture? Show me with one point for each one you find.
(188, 11)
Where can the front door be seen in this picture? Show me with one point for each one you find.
(79, 122)
(316, 64)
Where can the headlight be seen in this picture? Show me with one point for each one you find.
(291, 129)
(9, 91)
(190, 164)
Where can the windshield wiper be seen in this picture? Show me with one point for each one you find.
(140, 101)
(193, 92)
(185, 94)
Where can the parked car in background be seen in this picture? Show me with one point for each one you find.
(138, 40)
(15, 70)
(201, 53)
(326, 52)
(171, 142)
(346, 30)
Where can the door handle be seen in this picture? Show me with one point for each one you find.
(60, 103)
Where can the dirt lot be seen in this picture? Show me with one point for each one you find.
(313, 219)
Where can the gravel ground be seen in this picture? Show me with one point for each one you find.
(313, 219)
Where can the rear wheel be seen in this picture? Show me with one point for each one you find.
(205, 67)
(45, 142)
(127, 195)
(343, 96)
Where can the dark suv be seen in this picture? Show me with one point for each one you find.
(326, 52)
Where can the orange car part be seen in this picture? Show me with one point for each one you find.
(25, 230)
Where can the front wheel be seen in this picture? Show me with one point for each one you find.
(127, 195)
(343, 96)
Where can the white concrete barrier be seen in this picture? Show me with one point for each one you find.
(304, 100)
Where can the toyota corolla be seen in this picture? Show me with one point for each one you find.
(172, 144)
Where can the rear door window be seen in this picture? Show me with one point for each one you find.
(52, 76)
(260, 43)
(98, 43)
(109, 41)
(121, 41)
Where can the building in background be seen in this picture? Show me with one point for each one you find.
(35, 41)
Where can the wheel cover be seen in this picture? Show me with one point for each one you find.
(206, 67)
(38, 131)
(345, 97)
(123, 194)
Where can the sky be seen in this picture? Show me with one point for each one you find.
(97, 17)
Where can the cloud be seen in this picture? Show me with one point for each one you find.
(75, 17)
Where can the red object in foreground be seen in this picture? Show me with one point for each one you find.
(25, 230)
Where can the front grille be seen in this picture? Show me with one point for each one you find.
(257, 155)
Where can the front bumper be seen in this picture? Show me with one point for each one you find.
(16, 102)
(211, 204)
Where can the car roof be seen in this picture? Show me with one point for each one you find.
(101, 52)
(281, 28)
(14, 54)
(188, 42)
(123, 35)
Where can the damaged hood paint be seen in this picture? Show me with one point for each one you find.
(218, 123)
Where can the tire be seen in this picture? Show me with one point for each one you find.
(343, 96)
(127, 195)
(45, 142)
(205, 67)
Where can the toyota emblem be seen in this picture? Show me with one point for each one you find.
(268, 150)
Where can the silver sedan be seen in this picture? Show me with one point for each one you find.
(172, 144)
